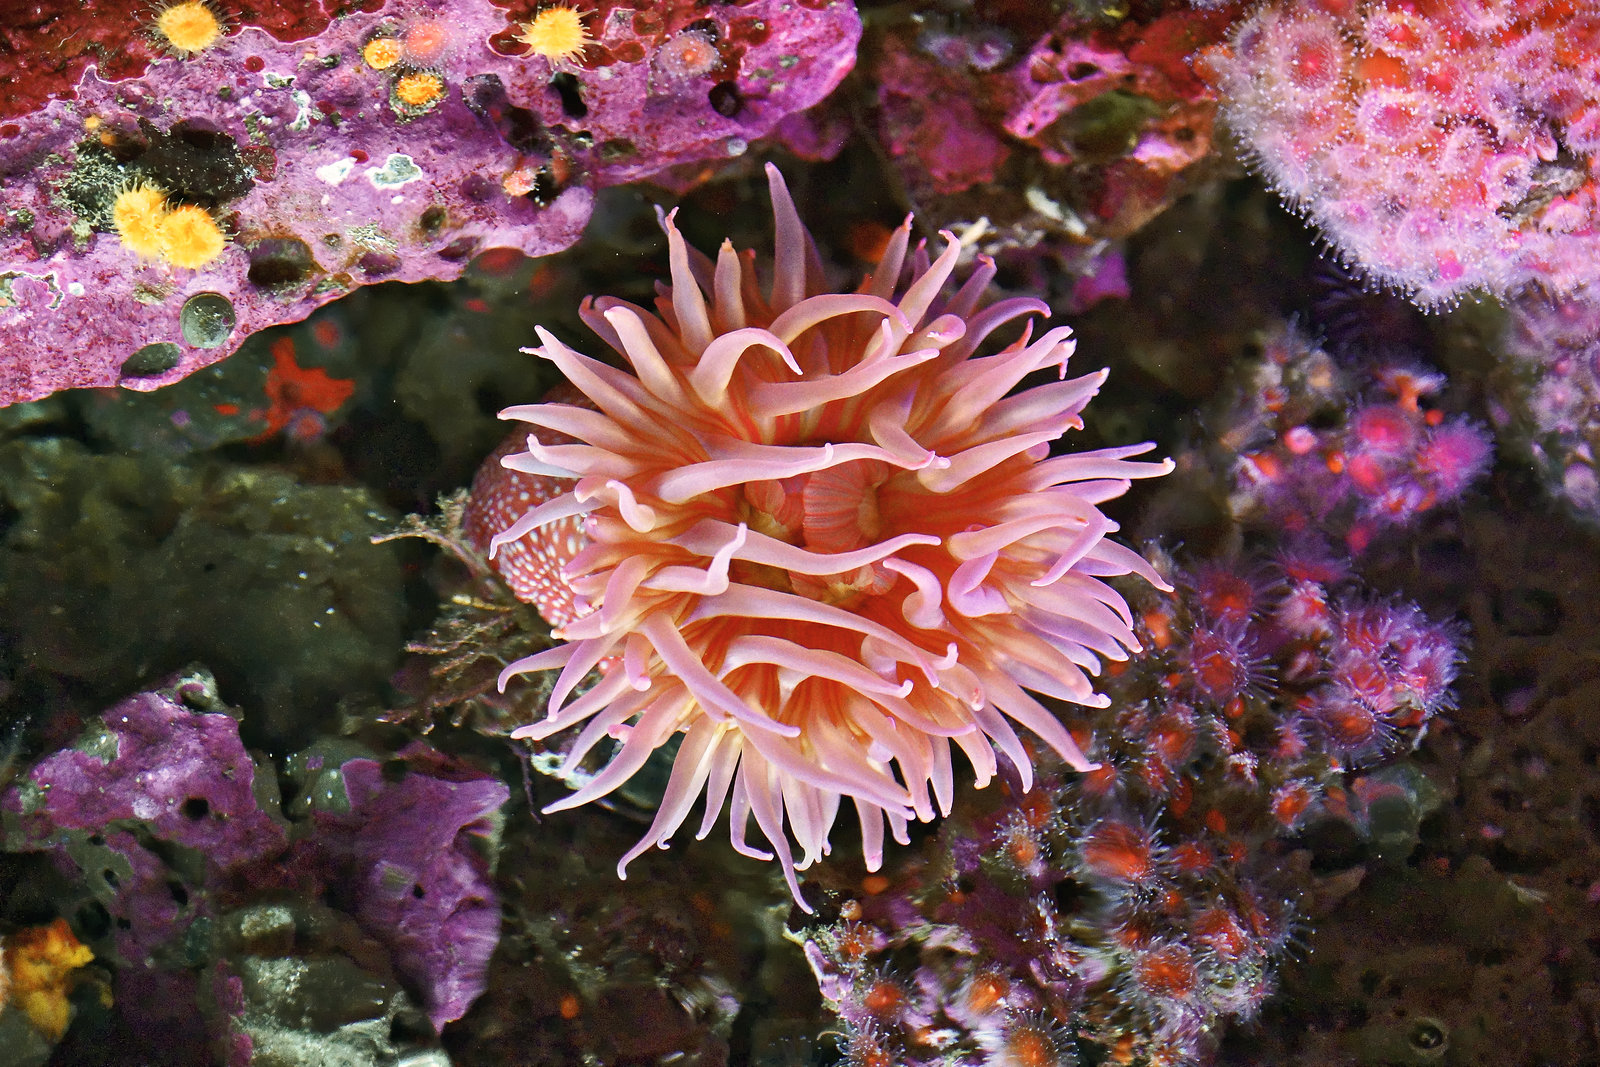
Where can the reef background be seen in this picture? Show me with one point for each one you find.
(226, 521)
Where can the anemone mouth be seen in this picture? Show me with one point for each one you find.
(826, 544)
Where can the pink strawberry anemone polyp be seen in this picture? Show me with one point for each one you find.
(824, 542)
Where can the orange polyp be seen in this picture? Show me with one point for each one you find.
(1119, 851)
(381, 53)
(1022, 849)
(1028, 1047)
(1378, 69)
(1158, 624)
(419, 89)
(1192, 858)
(425, 42)
(1100, 781)
(1036, 808)
(190, 237)
(1167, 971)
(1290, 802)
(137, 213)
(557, 33)
(986, 992)
(885, 997)
(688, 55)
(188, 27)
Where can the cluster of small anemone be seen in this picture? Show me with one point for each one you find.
(1050, 929)
(1120, 914)
(1547, 395)
(413, 55)
(1284, 671)
(1345, 453)
(1442, 146)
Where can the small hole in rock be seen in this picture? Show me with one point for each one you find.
(280, 261)
(571, 92)
(725, 99)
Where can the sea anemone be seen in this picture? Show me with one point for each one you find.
(823, 541)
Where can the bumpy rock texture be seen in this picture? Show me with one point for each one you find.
(234, 926)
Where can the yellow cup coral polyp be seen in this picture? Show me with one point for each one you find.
(190, 237)
(185, 236)
(381, 53)
(188, 27)
(138, 213)
(825, 543)
(557, 33)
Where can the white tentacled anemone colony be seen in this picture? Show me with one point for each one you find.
(824, 542)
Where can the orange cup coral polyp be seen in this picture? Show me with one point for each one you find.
(824, 542)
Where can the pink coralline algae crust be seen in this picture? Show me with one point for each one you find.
(162, 814)
(410, 852)
(1442, 145)
(184, 776)
(152, 777)
(328, 172)
(959, 104)
(935, 129)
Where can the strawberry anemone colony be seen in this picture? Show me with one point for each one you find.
(822, 540)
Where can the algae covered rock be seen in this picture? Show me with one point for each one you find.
(114, 568)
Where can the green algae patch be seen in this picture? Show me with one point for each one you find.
(118, 568)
